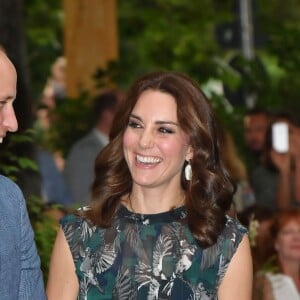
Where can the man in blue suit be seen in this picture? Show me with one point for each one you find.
(20, 272)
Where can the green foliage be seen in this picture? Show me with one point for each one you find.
(45, 228)
(271, 265)
(44, 31)
(167, 35)
(11, 163)
(72, 119)
(280, 22)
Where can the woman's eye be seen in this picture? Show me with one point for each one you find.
(2, 103)
(134, 124)
(165, 130)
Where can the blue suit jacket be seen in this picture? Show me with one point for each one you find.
(20, 272)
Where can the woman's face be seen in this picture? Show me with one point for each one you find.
(288, 241)
(155, 147)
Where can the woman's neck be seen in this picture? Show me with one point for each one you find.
(150, 201)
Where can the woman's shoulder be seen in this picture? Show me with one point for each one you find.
(228, 241)
(220, 254)
(76, 221)
(231, 236)
(233, 227)
(79, 231)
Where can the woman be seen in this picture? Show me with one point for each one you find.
(156, 227)
(283, 282)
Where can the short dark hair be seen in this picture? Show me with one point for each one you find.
(257, 111)
(103, 101)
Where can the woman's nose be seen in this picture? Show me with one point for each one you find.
(10, 120)
(146, 139)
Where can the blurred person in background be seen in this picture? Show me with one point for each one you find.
(276, 181)
(283, 280)
(256, 124)
(55, 89)
(20, 272)
(79, 164)
(53, 186)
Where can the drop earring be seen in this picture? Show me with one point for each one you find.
(188, 173)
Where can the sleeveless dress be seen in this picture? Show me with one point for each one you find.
(148, 257)
(283, 287)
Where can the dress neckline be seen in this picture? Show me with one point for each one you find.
(176, 214)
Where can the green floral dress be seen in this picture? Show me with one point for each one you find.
(148, 257)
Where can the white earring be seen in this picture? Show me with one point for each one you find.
(188, 173)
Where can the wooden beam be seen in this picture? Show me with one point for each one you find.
(90, 41)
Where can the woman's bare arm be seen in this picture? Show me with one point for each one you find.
(237, 282)
(62, 281)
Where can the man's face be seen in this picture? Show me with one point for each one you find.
(255, 129)
(8, 82)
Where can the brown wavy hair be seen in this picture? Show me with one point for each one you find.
(208, 194)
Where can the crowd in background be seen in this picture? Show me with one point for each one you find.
(274, 219)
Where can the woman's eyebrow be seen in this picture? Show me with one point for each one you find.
(159, 122)
(166, 123)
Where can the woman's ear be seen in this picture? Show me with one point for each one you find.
(190, 154)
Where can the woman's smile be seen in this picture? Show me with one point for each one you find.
(147, 160)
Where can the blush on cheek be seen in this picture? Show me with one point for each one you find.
(126, 139)
(127, 146)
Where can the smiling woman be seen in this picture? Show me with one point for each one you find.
(155, 149)
(156, 226)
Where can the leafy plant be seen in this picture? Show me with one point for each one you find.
(44, 220)
(71, 120)
(11, 162)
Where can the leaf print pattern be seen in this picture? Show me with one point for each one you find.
(121, 290)
(148, 257)
(187, 253)
(162, 249)
(132, 236)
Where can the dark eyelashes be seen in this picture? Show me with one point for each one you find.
(163, 130)
(166, 130)
(133, 124)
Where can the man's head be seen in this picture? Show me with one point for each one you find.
(104, 108)
(256, 124)
(8, 90)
